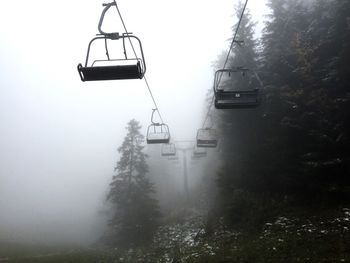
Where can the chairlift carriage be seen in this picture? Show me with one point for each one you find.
(173, 158)
(113, 68)
(245, 93)
(168, 149)
(207, 137)
(157, 133)
(198, 152)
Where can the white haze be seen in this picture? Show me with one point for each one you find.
(58, 135)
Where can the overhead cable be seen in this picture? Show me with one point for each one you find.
(132, 46)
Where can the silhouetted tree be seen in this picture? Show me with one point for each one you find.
(135, 211)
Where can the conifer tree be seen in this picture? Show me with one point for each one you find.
(303, 47)
(135, 211)
(295, 145)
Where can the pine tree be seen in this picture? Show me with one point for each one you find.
(135, 211)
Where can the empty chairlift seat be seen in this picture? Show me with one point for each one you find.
(158, 133)
(234, 89)
(207, 137)
(117, 67)
(168, 149)
(112, 69)
(236, 99)
(175, 159)
(198, 152)
(110, 72)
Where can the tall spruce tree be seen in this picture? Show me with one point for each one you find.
(135, 211)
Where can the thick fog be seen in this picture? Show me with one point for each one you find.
(59, 136)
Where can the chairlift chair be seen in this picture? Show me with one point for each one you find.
(207, 137)
(174, 159)
(116, 68)
(168, 149)
(234, 99)
(198, 152)
(158, 133)
(195, 158)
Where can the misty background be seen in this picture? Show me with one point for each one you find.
(59, 136)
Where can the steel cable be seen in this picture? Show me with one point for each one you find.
(132, 46)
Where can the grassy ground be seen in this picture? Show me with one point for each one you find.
(322, 236)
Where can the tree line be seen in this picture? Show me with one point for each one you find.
(293, 148)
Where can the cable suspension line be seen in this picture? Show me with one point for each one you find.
(208, 112)
(132, 46)
(235, 35)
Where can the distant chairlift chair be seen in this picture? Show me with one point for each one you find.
(157, 133)
(112, 69)
(198, 153)
(207, 137)
(174, 159)
(168, 150)
(234, 99)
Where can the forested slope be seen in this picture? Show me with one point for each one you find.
(294, 148)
